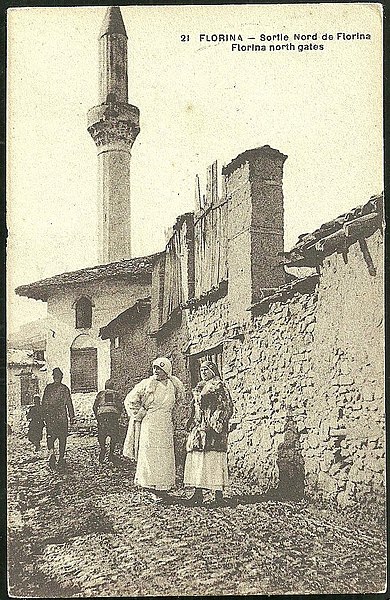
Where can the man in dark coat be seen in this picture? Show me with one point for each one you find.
(57, 409)
(107, 409)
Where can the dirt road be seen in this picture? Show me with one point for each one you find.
(89, 532)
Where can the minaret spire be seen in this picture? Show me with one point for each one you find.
(113, 22)
(113, 125)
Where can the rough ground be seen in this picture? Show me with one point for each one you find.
(89, 532)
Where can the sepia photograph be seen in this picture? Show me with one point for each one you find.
(195, 301)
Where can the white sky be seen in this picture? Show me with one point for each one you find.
(199, 102)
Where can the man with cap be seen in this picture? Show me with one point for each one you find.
(149, 437)
(107, 409)
(57, 408)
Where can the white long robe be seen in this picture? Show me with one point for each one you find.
(151, 441)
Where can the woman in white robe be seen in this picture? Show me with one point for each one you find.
(149, 437)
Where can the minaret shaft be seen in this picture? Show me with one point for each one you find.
(113, 68)
(114, 233)
(113, 125)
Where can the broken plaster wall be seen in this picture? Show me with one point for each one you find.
(317, 359)
(348, 409)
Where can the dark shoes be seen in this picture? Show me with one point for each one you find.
(114, 460)
(196, 499)
(218, 502)
(60, 464)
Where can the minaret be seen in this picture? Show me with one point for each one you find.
(113, 125)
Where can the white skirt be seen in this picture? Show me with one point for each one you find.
(156, 457)
(207, 470)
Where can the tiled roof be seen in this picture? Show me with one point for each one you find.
(133, 269)
(305, 285)
(22, 358)
(359, 222)
(141, 307)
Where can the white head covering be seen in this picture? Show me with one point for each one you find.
(164, 364)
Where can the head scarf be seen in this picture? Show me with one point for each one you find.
(109, 384)
(57, 372)
(164, 364)
(212, 367)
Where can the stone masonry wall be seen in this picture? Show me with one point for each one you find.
(309, 370)
(132, 360)
(347, 412)
(270, 378)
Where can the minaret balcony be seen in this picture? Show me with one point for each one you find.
(113, 122)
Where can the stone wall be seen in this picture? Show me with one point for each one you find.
(131, 360)
(306, 378)
(348, 377)
(270, 377)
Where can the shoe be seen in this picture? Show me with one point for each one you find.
(168, 500)
(194, 500)
(114, 459)
(158, 495)
(217, 503)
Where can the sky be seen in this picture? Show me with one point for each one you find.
(199, 101)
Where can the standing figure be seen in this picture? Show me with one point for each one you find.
(57, 407)
(107, 409)
(36, 425)
(206, 461)
(149, 437)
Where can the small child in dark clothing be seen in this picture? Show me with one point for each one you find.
(36, 425)
(107, 409)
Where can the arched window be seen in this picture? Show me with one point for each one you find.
(83, 313)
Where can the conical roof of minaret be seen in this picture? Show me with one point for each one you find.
(113, 22)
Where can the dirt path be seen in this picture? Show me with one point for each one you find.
(89, 532)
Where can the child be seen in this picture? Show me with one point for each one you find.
(36, 424)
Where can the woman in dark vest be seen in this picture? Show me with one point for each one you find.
(206, 461)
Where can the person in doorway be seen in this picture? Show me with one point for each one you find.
(206, 461)
(57, 410)
(107, 409)
(36, 424)
(149, 437)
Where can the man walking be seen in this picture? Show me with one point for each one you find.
(107, 409)
(57, 409)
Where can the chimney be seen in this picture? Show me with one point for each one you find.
(253, 183)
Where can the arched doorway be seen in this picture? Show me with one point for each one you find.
(83, 365)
